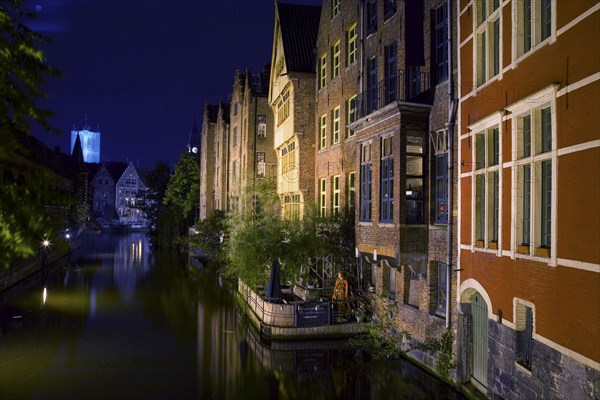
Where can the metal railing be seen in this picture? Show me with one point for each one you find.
(408, 85)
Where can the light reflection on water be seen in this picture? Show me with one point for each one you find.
(121, 322)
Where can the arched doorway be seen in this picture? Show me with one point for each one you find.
(479, 335)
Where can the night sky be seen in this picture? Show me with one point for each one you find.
(142, 70)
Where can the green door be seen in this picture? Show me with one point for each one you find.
(480, 339)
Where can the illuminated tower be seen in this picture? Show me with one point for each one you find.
(90, 142)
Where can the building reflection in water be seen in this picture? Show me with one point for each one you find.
(131, 262)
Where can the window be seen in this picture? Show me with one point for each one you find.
(351, 38)
(487, 187)
(322, 198)
(441, 188)
(389, 8)
(391, 65)
(351, 187)
(291, 207)
(322, 70)
(234, 171)
(235, 108)
(534, 164)
(260, 164)
(235, 136)
(262, 126)
(365, 182)
(372, 85)
(335, 125)
(288, 158)
(323, 131)
(534, 23)
(386, 213)
(524, 317)
(442, 283)
(335, 59)
(283, 107)
(350, 115)
(440, 40)
(487, 34)
(371, 16)
(335, 200)
(414, 178)
(335, 8)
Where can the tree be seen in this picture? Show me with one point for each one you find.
(151, 204)
(23, 70)
(180, 202)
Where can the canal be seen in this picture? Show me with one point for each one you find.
(120, 322)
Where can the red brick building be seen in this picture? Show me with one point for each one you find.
(529, 280)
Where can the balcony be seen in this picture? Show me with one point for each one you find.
(409, 85)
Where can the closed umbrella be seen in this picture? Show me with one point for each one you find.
(273, 289)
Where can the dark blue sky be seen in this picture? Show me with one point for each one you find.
(141, 70)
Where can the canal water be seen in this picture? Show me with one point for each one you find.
(120, 322)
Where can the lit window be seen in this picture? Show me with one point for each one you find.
(414, 178)
(262, 125)
(351, 188)
(350, 115)
(322, 198)
(335, 59)
(323, 131)
(487, 48)
(283, 109)
(336, 195)
(322, 70)
(335, 125)
(260, 164)
(351, 38)
(335, 8)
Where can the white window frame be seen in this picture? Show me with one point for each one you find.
(323, 132)
(336, 59)
(486, 28)
(351, 114)
(351, 44)
(538, 101)
(322, 71)
(518, 28)
(335, 194)
(323, 198)
(485, 127)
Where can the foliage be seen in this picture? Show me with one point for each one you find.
(211, 234)
(443, 346)
(184, 186)
(23, 68)
(262, 234)
(151, 203)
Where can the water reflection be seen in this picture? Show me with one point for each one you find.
(121, 322)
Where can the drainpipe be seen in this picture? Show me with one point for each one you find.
(452, 103)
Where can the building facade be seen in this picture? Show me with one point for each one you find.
(103, 184)
(337, 89)
(207, 160)
(405, 243)
(529, 147)
(291, 97)
(128, 189)
(221, 171)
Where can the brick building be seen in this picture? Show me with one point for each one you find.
(221, 171)
(251, 154)
(529, 273)
(337, 87)
(291, 97)
(404, 117)
(207, 160)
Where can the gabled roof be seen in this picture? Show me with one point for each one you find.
(299, 29)
(116, 169)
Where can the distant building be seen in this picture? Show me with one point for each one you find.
(127, 193)
(103, 185)
(221, 173)
(90, 143)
